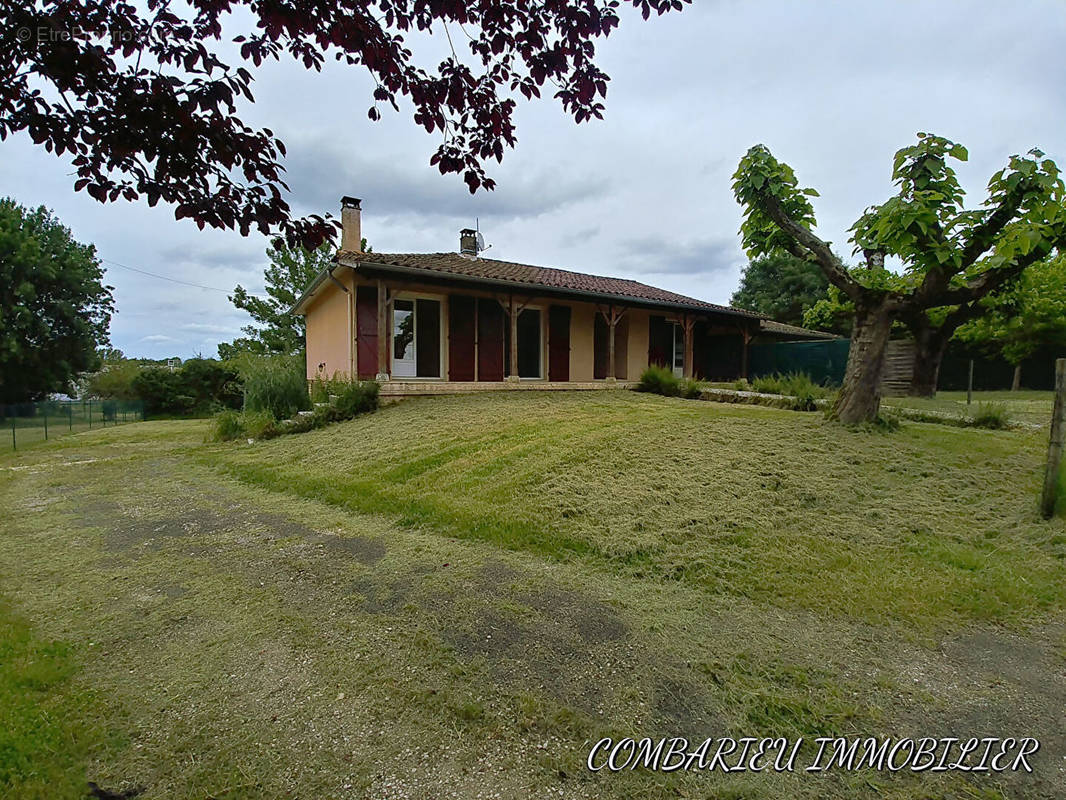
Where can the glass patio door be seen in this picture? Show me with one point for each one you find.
(404, 362)
(679, 351)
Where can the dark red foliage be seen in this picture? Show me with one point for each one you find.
(140, 99)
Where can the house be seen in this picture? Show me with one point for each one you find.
(428, 323)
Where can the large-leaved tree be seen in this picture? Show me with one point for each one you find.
(54, 307)
(142, 99)
(780, 286)
(952, 257)
(1029, 315)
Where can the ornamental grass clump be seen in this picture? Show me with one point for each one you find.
(991, 415)
(275, 384)
(659, 380)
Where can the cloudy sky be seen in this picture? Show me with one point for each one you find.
(833, 88)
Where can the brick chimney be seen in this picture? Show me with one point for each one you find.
(351, 225)
(468, 242)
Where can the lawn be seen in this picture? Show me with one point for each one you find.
(455, 597)
(1026, 405)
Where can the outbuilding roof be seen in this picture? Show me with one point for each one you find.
(772, 328)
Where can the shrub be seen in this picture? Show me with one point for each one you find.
(659, 380)
(115, 381)
(259, 424)
(228, 425)
(302, 423)
(356, 397)
(321, 389)
(212, 384)
(991, 415)
(275, 384)
(742, 385)
(162, 391)
(353, 397)
(198, 387)
(690, 388)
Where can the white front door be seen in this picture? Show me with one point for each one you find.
(404, 364)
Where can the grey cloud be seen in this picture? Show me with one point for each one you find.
(199, 327)
(236, 258)
(159, 338)
(662, 256)
(320, 173)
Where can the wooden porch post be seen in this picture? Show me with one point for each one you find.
(383, 333)
(612, 315)
(687, 324)
(746, 333)
(513, 311)
(611, 323)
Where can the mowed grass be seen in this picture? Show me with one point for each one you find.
(455, 597)
(928, 525)
(47, 727)
(1027, 405)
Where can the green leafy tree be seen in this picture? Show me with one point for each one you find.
(1027, 317)
(952, 257)
(276, 331)
(55, 310)
(114, 381)
(780, 286)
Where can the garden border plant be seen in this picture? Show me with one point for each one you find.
(333, 400)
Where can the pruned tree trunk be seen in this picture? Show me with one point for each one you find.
(1016, 384)
(860, 396)
(930, 344)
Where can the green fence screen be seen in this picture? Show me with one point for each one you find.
(824, 361)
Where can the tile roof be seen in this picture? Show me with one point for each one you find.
(490, 269)
(781, 329)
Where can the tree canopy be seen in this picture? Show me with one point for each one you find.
(139, 96)
(1031, 314)
(55, 310)
(780, 286)
(952, 257)
(275, 331)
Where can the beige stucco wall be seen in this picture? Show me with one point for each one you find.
(582, 318)
(329, 331)
(637, 355)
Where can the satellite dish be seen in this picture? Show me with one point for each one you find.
(480, 242)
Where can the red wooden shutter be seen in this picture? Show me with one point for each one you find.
(660, 342)
(559, 343)
(490, 340)
(601, 344)
(366, 325)
(460, 338)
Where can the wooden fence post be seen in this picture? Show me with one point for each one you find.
(1054, 450)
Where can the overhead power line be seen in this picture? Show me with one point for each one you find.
(168, 278)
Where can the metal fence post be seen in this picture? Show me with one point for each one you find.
(46, 423)
(14, 445)
(70, 416)
(90, 414)
(969, 385)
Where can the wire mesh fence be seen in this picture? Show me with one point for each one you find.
(23, 424)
